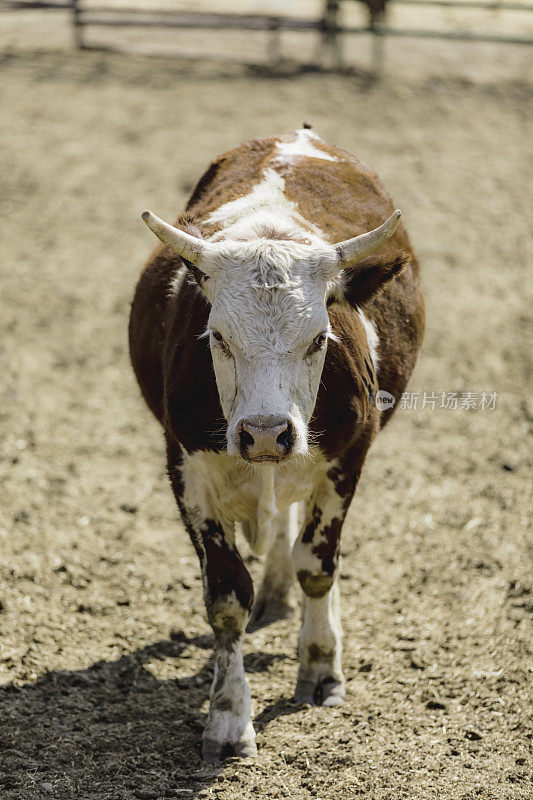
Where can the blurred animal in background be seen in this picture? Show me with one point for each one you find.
(264, 329)
(376, 9)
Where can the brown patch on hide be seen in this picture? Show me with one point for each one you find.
(186, 222)
(192, 411)
(273, 234)
(225, 577)
(318, 654)
(221, 702)
(342, 412)
(343, 198)
(172, 364)
(314, 586)
(344, 483)
(327, 550)
(360, 283)
(310, 528)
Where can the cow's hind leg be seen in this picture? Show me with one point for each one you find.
(316, 561)
(228, 594)
(272, 599)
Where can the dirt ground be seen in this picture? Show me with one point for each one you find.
(104, 649)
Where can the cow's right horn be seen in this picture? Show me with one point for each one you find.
(353, 250)
(183, 244)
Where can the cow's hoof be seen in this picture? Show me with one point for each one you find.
(305, 692)
(214, 750)
(265, 612)
(245, 749)
(328, 692)
(333, 693)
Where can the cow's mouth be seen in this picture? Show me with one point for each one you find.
(262, 459)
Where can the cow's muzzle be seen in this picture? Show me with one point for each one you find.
(265, 438)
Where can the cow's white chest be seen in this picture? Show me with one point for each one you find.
(225, 488)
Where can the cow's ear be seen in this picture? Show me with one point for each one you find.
(196, 274)
(358, 284)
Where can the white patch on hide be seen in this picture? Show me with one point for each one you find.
(177, 281)
(301, 146)
(228, 489)
(265, 206)
(372, 338)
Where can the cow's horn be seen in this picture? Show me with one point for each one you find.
(185, 245)
(353, 250)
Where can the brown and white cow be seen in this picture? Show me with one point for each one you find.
(261, 333)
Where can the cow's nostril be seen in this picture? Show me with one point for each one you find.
(285, 438)
(246, 439)
(265, 438)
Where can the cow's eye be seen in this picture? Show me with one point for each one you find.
(318, 343)
(221, 344)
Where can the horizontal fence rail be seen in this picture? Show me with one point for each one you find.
(327, 25)
(13, 5)
(482, 4)
(199, 20)
(415, 33)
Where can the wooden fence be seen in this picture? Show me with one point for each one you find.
(327, 26)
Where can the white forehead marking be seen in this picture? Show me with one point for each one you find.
(302, 146)
(372, 337)
(266, 205)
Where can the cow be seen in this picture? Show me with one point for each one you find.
(276, 311)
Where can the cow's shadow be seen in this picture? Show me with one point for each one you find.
(114, 729)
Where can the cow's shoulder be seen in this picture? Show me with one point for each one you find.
(398, 317)
(344, 410)
(148, 325)
(192, 412)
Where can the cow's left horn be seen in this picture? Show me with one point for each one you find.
(185, 245)
(353, 250)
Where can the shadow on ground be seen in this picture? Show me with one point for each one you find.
(126, 732)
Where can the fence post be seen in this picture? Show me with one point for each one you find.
(378, 50)
(77, 25)
(330, 34)
(274, 54)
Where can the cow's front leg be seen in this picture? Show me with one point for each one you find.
(316, 561)
(228, 595)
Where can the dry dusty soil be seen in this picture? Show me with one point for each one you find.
(104, 650)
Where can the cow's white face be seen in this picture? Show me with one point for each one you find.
(268, 326)
(268, 331)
